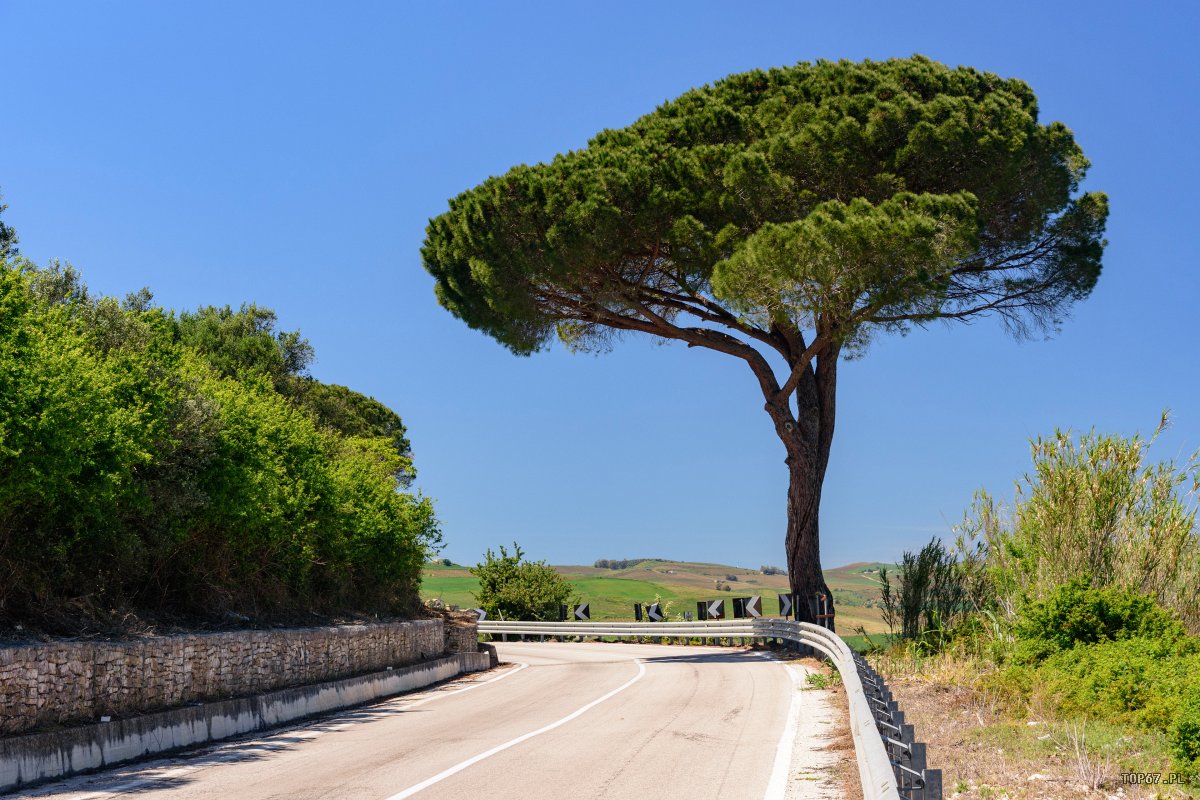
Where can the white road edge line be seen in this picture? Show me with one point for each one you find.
(777, 786)
(187, 769)
(446, 773)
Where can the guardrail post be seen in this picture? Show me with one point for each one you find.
(917, 756)
(933, 784)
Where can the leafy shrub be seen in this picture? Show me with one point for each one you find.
(928, 599)
(140, 473)
(1093, 507)
(511, 587)
(1184, 739)
(1076, 613)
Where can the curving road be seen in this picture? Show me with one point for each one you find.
(559, 721)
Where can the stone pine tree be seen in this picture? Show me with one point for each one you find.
(784, 218)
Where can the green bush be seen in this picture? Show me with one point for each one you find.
(1092, 506)
(1184, 739)
(510, 587)
(163, 465)
(1076, 613)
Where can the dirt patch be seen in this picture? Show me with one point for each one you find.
(845, 773)
(984, 752)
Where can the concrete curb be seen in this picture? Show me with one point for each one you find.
(38, 757)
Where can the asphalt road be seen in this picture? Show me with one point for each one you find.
(559, 721)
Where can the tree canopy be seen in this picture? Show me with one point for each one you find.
(839, 197)
(8, 237)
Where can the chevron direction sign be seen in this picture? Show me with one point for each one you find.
(482, 614)
(785, 605)
(654, 612)
(637, 612)
(715, 609)
(747, 607)
(583, 612)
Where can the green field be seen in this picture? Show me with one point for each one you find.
(679, 585)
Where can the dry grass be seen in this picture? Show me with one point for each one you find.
(987, 750)
(846, 773)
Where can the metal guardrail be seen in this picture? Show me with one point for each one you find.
(890, 764)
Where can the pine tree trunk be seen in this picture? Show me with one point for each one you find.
(803, 541)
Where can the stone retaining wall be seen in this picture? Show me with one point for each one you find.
(60, 683)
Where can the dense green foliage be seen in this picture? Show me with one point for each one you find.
(1106, 654)
(150, 464)
(511, 587)
(1078, 603)
(870, 193)
(8, 238)
(1077, 613)
(1094, 508)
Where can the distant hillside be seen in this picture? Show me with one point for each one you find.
(680, 584)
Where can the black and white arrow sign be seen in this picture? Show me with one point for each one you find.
(482, 614)
(785, 605)
(583, 612)
(654, 612)
(754, 606)
(716, 609)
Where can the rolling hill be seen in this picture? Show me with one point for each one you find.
(679, 585)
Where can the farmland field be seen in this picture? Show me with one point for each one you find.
(678, 585)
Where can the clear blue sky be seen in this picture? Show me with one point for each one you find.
(291, 154)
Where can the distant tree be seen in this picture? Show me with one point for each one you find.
(785, 216)
(511, 587)
(731, 577)
(601, 564)
(769, 570)
(246, 340)
(8, 236)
